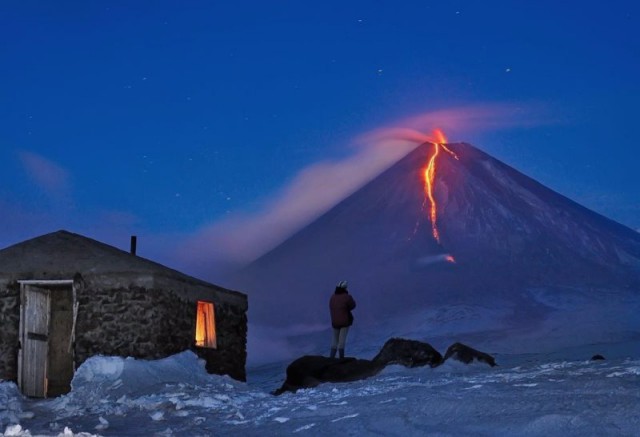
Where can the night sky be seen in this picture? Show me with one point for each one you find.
(170, 120)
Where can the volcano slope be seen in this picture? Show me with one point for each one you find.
(505, 241)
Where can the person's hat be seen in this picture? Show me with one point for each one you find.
(342, 284)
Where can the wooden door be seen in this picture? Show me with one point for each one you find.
(35, 340)
(60, 369)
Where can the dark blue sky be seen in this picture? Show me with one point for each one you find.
(161, 118)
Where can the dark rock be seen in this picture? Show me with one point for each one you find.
(466, 354)
(597, 357)
(409, 353)
(312, 370)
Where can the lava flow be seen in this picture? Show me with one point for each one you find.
(430, 176)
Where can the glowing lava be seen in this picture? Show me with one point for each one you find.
(430, 177)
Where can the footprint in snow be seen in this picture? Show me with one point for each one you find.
(157, 415)
(104, 424)
(304, 428)
(26, 415)
(350, 416)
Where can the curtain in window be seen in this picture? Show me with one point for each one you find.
(206, 325)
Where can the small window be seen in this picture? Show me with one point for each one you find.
(206, 325)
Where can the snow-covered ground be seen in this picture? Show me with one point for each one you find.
(545, 383)
(527, 394)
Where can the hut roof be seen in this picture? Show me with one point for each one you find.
(64, 253)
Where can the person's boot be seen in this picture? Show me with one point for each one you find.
(341, 353)
(333, 352)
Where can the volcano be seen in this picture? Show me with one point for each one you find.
(498, 239)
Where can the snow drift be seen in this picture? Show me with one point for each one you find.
(525, 395)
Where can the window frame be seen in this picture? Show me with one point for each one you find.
(205, 335)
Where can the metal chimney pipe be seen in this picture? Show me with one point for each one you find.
(134, 244)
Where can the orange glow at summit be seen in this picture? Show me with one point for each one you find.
(439, 137)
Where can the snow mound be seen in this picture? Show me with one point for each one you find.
(102, 379)
(137, 375)
(98, 369)
(110, 393)
(10, 404)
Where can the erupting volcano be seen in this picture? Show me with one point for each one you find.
(518, 246)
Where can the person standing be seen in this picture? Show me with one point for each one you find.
(340, 306)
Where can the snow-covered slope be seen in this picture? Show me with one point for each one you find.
(524, 395)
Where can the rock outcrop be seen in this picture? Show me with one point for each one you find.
(467, 355)
(312, 370)
(409, 353)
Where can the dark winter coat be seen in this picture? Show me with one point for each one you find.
(340, 305)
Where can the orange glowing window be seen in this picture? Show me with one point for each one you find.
(206, 325)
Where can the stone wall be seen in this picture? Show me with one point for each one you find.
(152, 323)
(134, 321)
(9, 326)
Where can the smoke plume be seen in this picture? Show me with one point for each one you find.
(241, 237)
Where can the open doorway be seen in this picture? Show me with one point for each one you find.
(48, 312)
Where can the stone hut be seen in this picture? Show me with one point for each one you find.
(65, 298)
